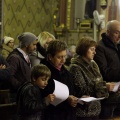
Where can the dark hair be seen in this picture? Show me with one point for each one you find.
(84, 44)
(55, 47)
(40, 70)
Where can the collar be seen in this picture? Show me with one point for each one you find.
(23, 53)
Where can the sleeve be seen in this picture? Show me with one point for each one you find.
(14, 61)
(4, 53)
(32, 100)
(109, 73)
(3, 61)
(5, 74)
(78, 81)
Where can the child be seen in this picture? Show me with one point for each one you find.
(30, 100)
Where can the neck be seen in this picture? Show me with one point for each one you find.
(87, 60)
(24, 49)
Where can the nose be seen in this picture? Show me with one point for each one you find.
(94, 52)
(35, 47)
(63, 59)
(46, 82)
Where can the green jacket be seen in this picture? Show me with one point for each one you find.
(6, 50)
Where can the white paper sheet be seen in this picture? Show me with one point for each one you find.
(89, 99)
(115, 89)
(61, 93)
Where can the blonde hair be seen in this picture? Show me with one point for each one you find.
(43, 36)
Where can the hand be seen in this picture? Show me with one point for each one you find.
(50, 98)
(2, 66)
(119, 89)
(110, 86)
(73, 100)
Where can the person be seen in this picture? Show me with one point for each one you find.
(43, 40)
(8, 46)
(108, 59)
(19, 61)
(5, 73)
(70, 54)
(87, 79)
(56, 55)
(30, 101)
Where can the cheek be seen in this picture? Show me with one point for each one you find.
(55, 62)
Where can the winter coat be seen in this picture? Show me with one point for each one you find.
(6, 50)
(63, 111)
(108, 59)
(35, 58)
(4, 74)
(41, 50)
(88, 81)
(30, 102)
(20, 70)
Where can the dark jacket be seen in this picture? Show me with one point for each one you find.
(21, 70)
(4, 74)
(63, 111)
(41, 50)
(30, 102)
(108, 59)
(88, 81)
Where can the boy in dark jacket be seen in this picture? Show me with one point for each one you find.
(30, 99)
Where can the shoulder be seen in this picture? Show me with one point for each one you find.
(14, 54)
(95, 65)
(27, 87)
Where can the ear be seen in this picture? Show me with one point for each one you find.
(108, 32)
(49, 57)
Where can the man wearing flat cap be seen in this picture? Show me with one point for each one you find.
(19, 61)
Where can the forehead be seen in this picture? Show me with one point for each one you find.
(63, 52)
(35, 42)
(116, 27)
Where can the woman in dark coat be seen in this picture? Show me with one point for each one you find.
(56, 55)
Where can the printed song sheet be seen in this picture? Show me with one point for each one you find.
(89, 99)
(61, 93)
(115, 89)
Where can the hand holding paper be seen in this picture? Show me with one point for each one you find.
(73, 100)
(113, 86)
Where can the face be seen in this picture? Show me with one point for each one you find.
(42, 82)
(59, 59)
(11, 44)
(32, 46)
(115, 34)
(90, 53)
(47, 42)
